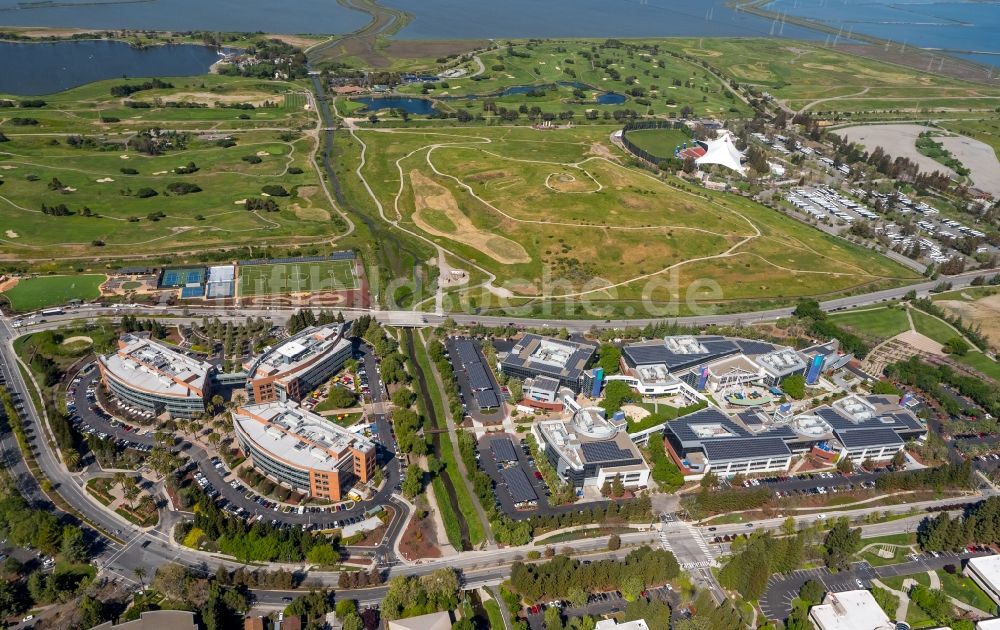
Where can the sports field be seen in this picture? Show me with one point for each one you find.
(660, 142)
(312, 277)
(47, 291)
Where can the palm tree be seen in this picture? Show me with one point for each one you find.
(131, 493)
(140, 574)
(120, 479)
(71, 458)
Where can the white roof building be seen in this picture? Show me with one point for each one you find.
(989, 624)
(850, 610)
(985, 571)
(611, 624)
(723, 151)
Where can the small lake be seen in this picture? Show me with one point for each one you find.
(31, 69)
(610, 98)
(416, 106)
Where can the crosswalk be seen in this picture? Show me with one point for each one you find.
(687, 544)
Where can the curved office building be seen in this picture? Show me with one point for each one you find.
(297, 365)
(155, 378)
(303, 450)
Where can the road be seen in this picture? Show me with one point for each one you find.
(280, 315)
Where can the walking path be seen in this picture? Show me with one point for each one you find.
(453, 437)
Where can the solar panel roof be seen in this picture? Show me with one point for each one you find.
(749, 346)
(859, 438)
(517, 483)
(683, 427)
(478, 378)
(467, 352)
(487, 399)
(595, 452)
(745, 448)
(503, 450)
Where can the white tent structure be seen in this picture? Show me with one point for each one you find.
(722, 151)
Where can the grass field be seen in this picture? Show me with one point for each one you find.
(569, 80)
(121, 196)
(660, 142)
(609, 232)
(46, 291)
(494, 615)
(965, 590)
(313, 277)
(983, 363)
(932, 327)
(880, 322)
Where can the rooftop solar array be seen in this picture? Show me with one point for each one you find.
(859, 438)
(467, 353)
(517, 483)
(596, 452)
(563, 360)
(503, 450)
(746, 448)
(478, 379)
(487, 399)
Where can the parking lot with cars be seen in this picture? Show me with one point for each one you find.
(599, 605)
(210, 473)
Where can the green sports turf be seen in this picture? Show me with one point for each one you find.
(333, 275)
(46, 291)
(881, 322)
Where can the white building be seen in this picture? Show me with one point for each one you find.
(989, 624)
(985, 571)
(850, 610)
(722, 151)
(611, 624)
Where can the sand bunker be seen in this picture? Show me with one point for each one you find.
(240, 202)
(78, 339)
(104, 180)
(12, 234)
(432, 198)
(161, 172)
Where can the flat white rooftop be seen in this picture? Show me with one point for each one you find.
(294, 354)
(850, 610)
(987, 569)
(297, 436)
(147, 365)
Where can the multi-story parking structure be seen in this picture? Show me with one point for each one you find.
(297, 365)
(155, 378)
(303, 450)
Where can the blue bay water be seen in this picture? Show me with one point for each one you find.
(297, 16)
(31, 69)
(945, 24)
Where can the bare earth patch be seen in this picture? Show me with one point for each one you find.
(897, 141)
(429, 195)
(984, 312)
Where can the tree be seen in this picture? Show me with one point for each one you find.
(614, 542)
(845, 465)
(140, 574)
(956, 346)
(812, 591)
(413, 483)
(840, 544)
(631, 587)
(553, 619)
(577, 596)
(73, 547)
(709, 480)
(898, 460)
(322, 554)
(516, 387)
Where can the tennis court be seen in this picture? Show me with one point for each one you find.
(173, 278)
(306, 277)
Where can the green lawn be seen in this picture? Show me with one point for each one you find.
(892, 539)
(983, 363)
(896, 582)
(880, 322)
(876, 561)
(965, 590)
(493, 613)
(932, 327)
(46, 291)
(330, 275)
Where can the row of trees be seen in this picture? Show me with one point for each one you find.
(564, 577)
(747, 572)
(980, 524)
(941, 477)
(822, 328)
(929, 378)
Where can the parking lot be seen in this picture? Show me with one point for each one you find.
(463, 361)
(776, 603)
(599, 605)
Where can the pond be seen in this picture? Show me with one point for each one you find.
(610, 98)
(31, 69)
(417, 106)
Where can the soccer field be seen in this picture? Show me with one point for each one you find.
(312, 277)
(46, 291)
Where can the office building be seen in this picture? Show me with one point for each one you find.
(150, 376)
(985, 571)
(850, 610)
(588, 449)
(297, 365)
(303, 450)
(562, 360)
(155, 620)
